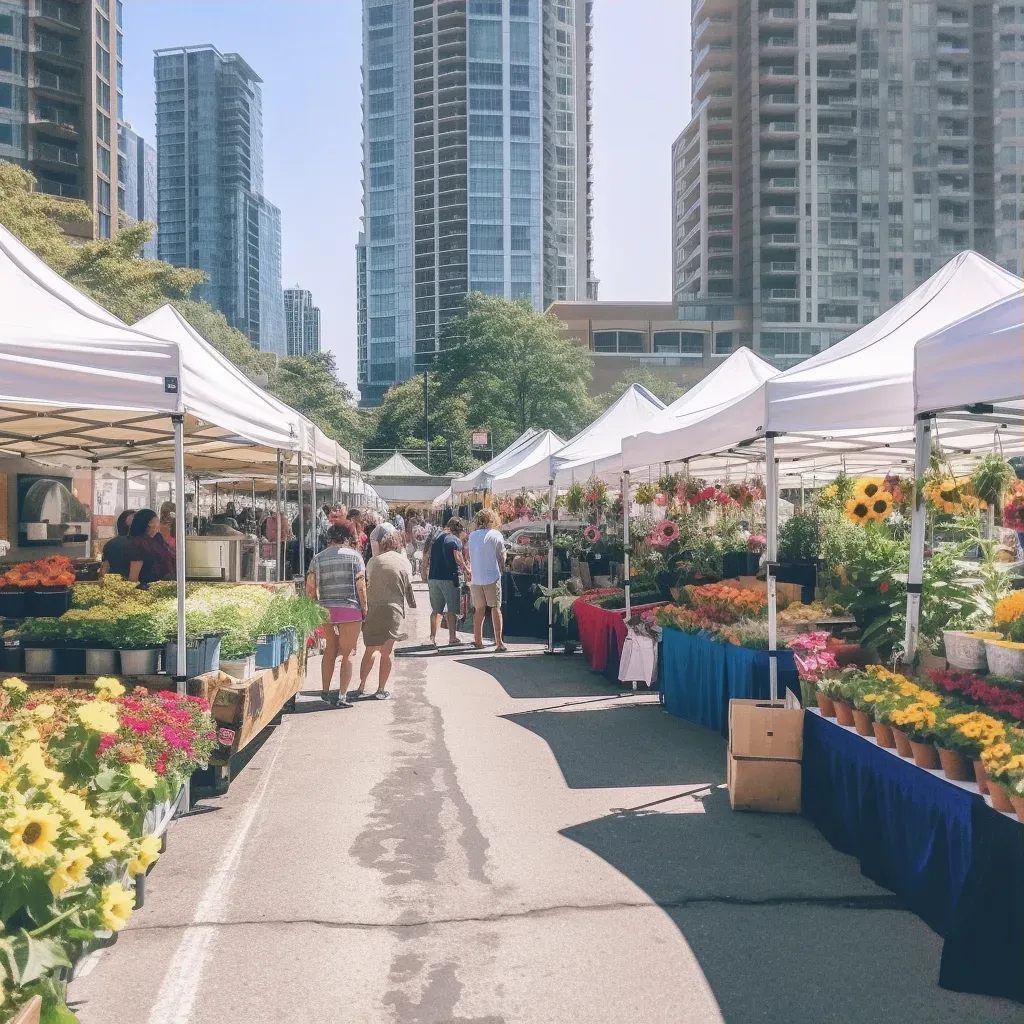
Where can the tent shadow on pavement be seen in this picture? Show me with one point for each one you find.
(784, 927)
(535, 676)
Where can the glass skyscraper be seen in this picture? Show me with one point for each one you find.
(301, 321)
(840, 152)
(477, 168)
(136, 175)
(213, 215)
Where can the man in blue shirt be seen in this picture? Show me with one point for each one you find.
(444, 562)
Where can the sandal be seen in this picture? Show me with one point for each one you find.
(501, 649)
(382, 695)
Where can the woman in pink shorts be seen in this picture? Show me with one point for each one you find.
(337, 579)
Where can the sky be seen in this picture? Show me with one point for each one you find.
(308, 54)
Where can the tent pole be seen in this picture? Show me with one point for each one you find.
(922, 452)
(254, 498)
(124, 477)
(771, 498)
(314, 505)
(179, 547)
(551, 565)
(625, 538)
(92, 505)
(280, 560)
(302, 520)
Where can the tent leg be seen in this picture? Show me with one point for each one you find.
(314, 504)
(771, 498)
(922, 452)
(625, 540)
(302, 520)
(179, 547)
(551, 565)
(124, 478)
(280, 559)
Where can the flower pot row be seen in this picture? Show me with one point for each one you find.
(976, 651)
(954, 765)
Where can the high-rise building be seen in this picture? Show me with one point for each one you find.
(136, 176)
(1008, 107)
(839, 153)
(477, 168)
(213, 215)
(301, 322)
(61, 102)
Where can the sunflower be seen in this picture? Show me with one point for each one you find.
(109, 838)
(71, 870)
(147, 850)
(32, 832)
(868, 487)
(858, 511)
(880, 505)
(116, 907)
(952, 497)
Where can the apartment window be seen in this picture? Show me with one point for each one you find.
(6, 133)
(103, 127)
(102, 94)
(519, 42)
(382, 152)
(486, 237)
(519, 127)
(382, 102)
(382, 15)
(486, 208)
(102, 159)
(485, 99)
(521, 183)
(103, 194)
(6, 24)
(382, 326)
(519, 101)
(618, 341)
(382, 226)
(485, 40)
(519, 76)
(521, 238)
(519, 8)
(485, 74)
(102, 29)
(382, 78)
(522, 290)
(104, 225)
(487, 126)
(488, 8)
(522, 268)
(6, 58)
(689, 343)
(102, 61)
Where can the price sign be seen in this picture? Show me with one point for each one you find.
(481, 439)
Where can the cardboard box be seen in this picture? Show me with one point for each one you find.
(765, 750)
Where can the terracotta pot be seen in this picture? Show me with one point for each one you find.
(1017, 802)
(925, 755)
(956, 766)
(902, 741)
(825, 705)
(980, 777)
(883, 735)
(844, 712)
(862, 722)
(1000, 798)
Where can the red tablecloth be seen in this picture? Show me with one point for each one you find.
(600, 627)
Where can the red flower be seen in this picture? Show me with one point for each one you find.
(883, 587)
(106, 742)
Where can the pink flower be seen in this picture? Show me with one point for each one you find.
(591, 534)
(106, 742)
(660, 500)
(663, 534)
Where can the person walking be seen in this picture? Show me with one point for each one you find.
(444, 562)
(487, 558)
(389, 594)
(337, 579)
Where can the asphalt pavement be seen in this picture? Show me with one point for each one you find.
(509, 840)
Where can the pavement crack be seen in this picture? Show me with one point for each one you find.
(877, 902)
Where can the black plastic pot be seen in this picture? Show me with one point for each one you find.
(12, 603)
(803, 572)
(47, 602)
(12, 657)
(70, 661)
(740, 563)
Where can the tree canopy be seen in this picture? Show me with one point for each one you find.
(515, 369)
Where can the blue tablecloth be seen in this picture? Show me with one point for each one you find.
(954, 861)
(700, 676)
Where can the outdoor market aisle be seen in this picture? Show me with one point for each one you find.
(489, 848)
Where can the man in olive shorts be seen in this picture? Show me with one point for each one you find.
(444, 562)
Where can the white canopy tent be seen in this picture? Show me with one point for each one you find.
(479, 478)
(530, 468)
(396, 465)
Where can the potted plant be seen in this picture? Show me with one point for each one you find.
(799, 551)
(139, 636)
(919, 721)
(1004, 768)
(962, 736)
(92, 630)
(41, 639)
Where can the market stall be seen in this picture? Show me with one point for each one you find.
(603, 630)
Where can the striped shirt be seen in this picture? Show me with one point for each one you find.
(336, 570)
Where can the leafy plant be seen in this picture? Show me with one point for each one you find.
(991, 478)
(800, 538)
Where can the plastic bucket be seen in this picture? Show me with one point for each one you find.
(40, 661)
(211, 653)
(140, 663)
(100, 661)
(193, 657)
(268, 651)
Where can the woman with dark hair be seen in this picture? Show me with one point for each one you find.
(151, 558)
(337, 579)
(116, 550)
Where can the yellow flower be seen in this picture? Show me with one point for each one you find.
(30, 735)
(830, 492)
(71, 870)
(858, 511)
(32, 832)
(109, 687)
(144, 777)
(1010, 608)
(146, 852)
(98, 716)
(109, 838)
(15, 685)
(73, 806)
(908, 689)
(872, 698)
(880, 506)
(932, 700)
(116, 906)
(992, 757)
(31, 759)
(44, 712)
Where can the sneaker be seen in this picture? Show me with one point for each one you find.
(330, 697)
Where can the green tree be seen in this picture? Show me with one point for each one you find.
(399, 423)
(515, 369)
(666, 390)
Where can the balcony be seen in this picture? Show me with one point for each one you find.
(781, 293)
(778, 99)
(717, 26)
(774, 14)
(61, 17)
(775, 212)
(46, 153)
(778, 267)
(719, 272)
(780, 238)
(720, 161)
(778, 41)
(58, 188)
(780, 156)
(59, 85)
(783, 184)
(720, 246)
(779, 128)
(772, 71)
(836, 17)
(830, 42)
(841, 129)
(56, 48)
(840, 101)
(55, 119)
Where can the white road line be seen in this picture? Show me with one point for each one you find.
(180, 987)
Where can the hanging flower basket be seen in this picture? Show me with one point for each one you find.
(591, 534)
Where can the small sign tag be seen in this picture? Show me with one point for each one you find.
(170, 385)
(225, 737)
